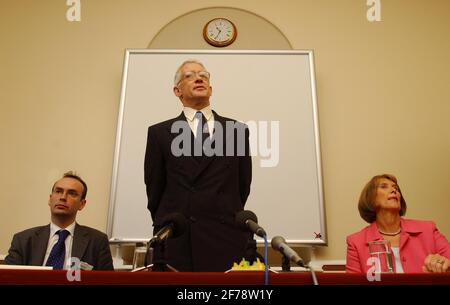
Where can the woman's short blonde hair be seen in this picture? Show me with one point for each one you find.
(366, 204)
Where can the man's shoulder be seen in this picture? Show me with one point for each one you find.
(91, 231)
(226, 120)
(222, 118)
(166, 123)
(32, 231)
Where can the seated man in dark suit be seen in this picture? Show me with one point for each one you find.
(55, 244)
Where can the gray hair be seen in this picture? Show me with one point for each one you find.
(178, 75)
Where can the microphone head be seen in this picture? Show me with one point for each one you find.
(243, 216)
(178, 223)
(277, 241)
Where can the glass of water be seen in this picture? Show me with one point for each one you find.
(139, 256)
(381, 253)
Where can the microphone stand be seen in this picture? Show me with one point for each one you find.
(313, 275)
(286, 267)
(286, 264)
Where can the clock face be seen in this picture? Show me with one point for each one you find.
(220, 32)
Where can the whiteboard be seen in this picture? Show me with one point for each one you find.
(273, 92)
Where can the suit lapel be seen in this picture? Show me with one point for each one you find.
(372, 233)
(181, 118)
(193, 167)
(80, 242)
(191, 163)
(39, 244)
(407, 230)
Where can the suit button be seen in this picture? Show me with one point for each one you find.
(192, 189)
(193, 219)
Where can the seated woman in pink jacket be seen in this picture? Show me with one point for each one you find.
(417, 245)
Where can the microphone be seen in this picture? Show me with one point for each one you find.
(279, 243)
(173, 224)
(247, 220)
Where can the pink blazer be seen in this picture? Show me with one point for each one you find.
(418, 239)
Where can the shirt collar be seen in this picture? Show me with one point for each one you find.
(189, 113)
(54, 228)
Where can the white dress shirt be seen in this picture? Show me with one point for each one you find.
(54, 239)
(398, 263)
(189, 113)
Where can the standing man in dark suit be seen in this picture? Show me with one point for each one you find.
(208, 186)
(54, 244)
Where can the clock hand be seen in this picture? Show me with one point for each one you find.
(218, 34)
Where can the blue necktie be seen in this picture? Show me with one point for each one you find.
(58, 253)
(202, 133)
(202, 127)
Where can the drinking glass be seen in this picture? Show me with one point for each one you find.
(381, 252)
(139, 256)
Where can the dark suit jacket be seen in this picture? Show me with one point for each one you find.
(208, 193)
(89, 245)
